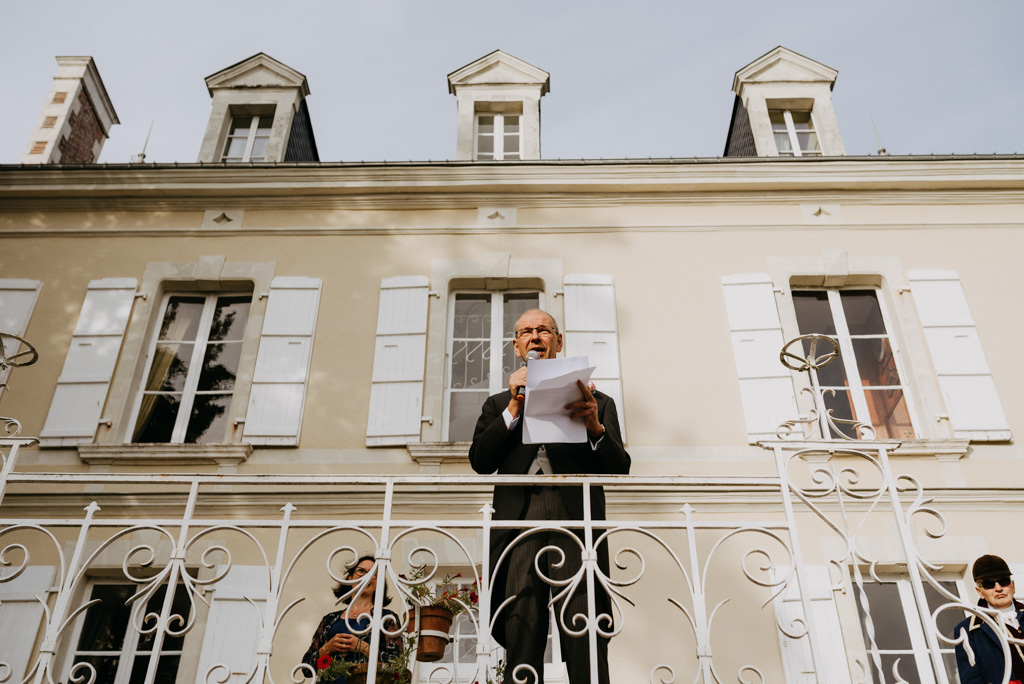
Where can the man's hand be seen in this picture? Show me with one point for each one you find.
(586, 410)
(516, 382)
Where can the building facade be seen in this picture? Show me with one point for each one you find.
(258, 367)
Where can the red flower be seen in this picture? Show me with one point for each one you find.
(323, 662)
(473, 597)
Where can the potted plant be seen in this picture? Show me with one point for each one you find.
(438, 607)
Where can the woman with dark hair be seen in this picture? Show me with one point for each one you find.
(345, 634)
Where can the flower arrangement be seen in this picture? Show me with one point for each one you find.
(450, 595)
(329, 668)
(394, 671)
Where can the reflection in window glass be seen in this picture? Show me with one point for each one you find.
(854, 318)
(192, 370)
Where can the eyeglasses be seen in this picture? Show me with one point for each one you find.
(542, 330)
(991, 583)
(359, 571)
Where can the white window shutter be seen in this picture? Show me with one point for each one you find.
(399, 361)
(17, 300)
(274, 415)
(591, 330)
(766, 386)
(797, 661)
(77, 404)
(233, 626)
(21, 617)
(967, 385)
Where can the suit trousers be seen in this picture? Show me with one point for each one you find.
(526, 622)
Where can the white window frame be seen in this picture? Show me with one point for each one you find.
(188, 392)
(794, 140)
(849, 358)
(254, 125)
(130, 645)
(918, 641)
(496, 340)
(499, 136)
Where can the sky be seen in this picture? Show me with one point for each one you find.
(629, 79)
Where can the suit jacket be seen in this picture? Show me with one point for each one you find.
(496, 448)
(988, 654)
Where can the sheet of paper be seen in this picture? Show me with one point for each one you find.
(550, 385)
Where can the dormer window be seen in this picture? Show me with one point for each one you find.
(497, 136)
(794, 133)
(247, 139)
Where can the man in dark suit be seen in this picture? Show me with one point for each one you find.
(498, 446)
(985, 663)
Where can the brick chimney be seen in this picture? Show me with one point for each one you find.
(76, 119)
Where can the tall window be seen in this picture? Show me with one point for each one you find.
(865, 377)
(497, 136)
(247, 139)
(480, 352)
(899, 635)
(190, 376)
(112, 644)
(794, 133)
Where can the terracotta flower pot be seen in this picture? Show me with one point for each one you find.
(358, 675)
(435, 623)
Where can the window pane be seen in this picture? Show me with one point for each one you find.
(808, 142)
(875, 362)
(471, 364)
(166, 670)
(889, 414)
(463, 412)
(208, 423)
(509, 361)
(156, 418)
(863, 315)
(259, 149)
(485, 146)
(264, 126)
(887, 615)
(511, 124)
(106, 622)
(230, 318)
(169, 368)
(801, 120)
(472, 316)
(515, 305)
(485, 124)
(782, 144)
(778, 119)
(235, 148)
(181, 319)
(220, 367)
(813, 314)
(240, 125)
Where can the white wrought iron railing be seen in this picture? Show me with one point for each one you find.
(722, 551)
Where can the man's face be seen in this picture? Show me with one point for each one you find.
(1000, 595)
(536, 330)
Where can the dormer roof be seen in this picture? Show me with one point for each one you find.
(499, 68)
(259, 71)
(782, 65)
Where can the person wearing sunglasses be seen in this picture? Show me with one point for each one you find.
(985, 662)
(522, 625)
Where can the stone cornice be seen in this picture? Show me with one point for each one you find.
(164, 454)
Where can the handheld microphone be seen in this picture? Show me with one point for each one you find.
(531, 355)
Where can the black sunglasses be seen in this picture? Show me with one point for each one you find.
(991, 583)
